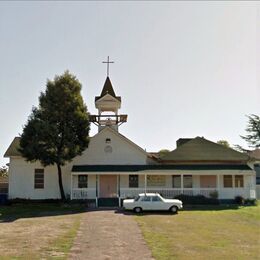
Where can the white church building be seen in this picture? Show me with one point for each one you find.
(113, 167)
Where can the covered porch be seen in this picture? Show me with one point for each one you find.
(223, 184)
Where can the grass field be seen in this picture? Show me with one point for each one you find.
(38, 231)
(221, 232)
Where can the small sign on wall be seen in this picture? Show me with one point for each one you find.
(252, 194)
(156, 181)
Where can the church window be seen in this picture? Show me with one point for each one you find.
(39, 178)
(133, 181)
(239, 181)
(228, 181)
(176, 181)
(187, 181)
(82, 181)
(257, 170)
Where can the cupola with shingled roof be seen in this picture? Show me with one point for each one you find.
(108, 105)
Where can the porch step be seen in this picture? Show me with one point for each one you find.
(108, 202)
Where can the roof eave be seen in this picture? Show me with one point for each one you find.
(227, 162)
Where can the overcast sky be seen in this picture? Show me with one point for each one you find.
(183, 69)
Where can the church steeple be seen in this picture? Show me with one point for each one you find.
(108, 105)
(108, 89)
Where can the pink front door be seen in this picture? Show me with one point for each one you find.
(107, 186)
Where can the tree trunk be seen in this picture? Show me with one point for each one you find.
(62, 195)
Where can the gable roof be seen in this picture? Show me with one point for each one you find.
(201, 149)
(108, 128)
(197, 149)
(12, 150)
(14, 146)
(108, 89)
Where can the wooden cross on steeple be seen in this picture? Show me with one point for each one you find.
(107, 62)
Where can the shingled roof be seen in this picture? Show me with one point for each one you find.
(203, 150)
(13, 148)
(108, 89)
(197, 149)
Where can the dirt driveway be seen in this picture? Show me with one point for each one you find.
(108, 234)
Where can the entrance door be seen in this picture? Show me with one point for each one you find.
(108, 186)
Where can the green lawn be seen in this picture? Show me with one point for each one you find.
(38, 231)
(222, 232)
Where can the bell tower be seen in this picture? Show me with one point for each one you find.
(108, 105)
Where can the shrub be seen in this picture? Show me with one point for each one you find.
(213, 194)
(251, 202)
(239, 200)
(197, 200)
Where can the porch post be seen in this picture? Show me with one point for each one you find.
(233, 185)
(118, 187)
(181, 183)
(145, 182)
(96, 190)
(71, 186)
(218, 184)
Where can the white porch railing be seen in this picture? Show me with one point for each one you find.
(90, 193)
(223, 193)
(166, 192)
(83, 193)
